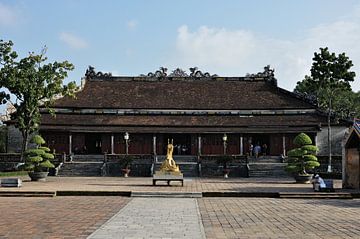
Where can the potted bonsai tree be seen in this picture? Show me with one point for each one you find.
(38, 160)
(302, 158)
(223, 161)
(125, 165)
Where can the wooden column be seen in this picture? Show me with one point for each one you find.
(284, 144)
(199, 144)
(112, 143)
(70, 143)
(241, 145)
(154, 144)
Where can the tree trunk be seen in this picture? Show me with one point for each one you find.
(329, 136)
(24, 145)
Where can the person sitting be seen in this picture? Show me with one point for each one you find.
(318, 183)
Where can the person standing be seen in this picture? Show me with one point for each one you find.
(257, 150)
(251, 148)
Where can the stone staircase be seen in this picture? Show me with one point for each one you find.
(267, 166)
(188, 164)
(82, 166)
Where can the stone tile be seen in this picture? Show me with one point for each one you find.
(280, 218)
(60, 217)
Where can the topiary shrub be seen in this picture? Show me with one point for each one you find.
(304, 157)
(38, 159)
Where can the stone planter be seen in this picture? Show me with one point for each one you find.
(38, 176)
(303, 178)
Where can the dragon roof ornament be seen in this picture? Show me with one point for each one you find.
(91, 73)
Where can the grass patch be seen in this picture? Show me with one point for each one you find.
(14, 173)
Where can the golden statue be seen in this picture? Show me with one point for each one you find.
(169, 164)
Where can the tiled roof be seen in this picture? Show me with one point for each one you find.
(263, 121)
(222, 93)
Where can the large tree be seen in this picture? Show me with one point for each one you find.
(329, 80)
(32, 83)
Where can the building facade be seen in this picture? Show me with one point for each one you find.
(203, 114)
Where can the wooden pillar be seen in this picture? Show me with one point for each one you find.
(112, 143)
(284, 144)
(241, 145)
(199, 144)
(70, 143)
(154, 144)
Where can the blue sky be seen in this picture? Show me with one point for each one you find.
(228, 38)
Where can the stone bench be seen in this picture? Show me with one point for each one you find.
(168, 179)
(11, 182)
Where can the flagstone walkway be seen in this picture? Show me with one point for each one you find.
(155, 218)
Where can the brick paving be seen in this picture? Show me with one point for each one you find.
(60, 217)
(280, 218)
(155, 218)
(145, 185)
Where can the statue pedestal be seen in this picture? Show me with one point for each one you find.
(168, 177)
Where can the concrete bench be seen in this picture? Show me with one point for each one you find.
(168, 179)
(11, 182)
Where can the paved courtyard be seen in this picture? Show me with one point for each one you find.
(78, 217)
(144, 184)
(59, 217)
(280, 218)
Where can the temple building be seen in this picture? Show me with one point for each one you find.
(196, 111)
(199, 111)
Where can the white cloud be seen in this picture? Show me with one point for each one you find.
(73, 41)
(8, 15)
(237, 52)
(132, 24)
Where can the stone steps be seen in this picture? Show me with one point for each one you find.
(167, 194)
(315, 195)
(88, 158)
(27, 194)
(265, 159)
(81, 169)
(267, 170)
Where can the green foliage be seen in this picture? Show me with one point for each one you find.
(296, 152)
(46, 164)
(48, 156)
(46, 149)
(33, 83)
(38, 159)
(302, 158)
(302, 139)
(35, 159)
(38, 140)
(13, 173)
(310, 148)
(329, 83)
